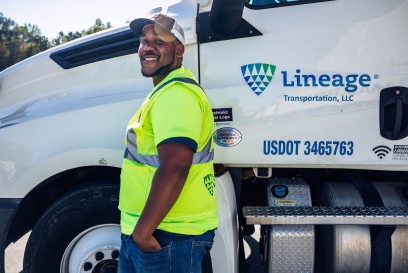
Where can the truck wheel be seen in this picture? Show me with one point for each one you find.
(78, 233)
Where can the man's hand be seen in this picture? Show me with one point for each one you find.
(146, 245)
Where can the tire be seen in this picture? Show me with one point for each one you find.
(64, 220)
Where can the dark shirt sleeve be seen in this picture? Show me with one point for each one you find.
(183, 140)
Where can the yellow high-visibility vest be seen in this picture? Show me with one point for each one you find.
(176, 110)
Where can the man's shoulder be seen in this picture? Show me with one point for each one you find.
(182, 73)
(179, 91)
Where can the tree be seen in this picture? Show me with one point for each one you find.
(6, 35)
(98, 26)
(20, 42)
(63, 38)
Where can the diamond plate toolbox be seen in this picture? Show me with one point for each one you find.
(290, 247)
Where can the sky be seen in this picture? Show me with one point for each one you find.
(53, 16)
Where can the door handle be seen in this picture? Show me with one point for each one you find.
(394, 112)
(398, 118)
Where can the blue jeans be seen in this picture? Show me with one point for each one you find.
(179, 253)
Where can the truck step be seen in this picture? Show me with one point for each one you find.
(326, 215)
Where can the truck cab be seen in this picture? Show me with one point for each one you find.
(310, 102)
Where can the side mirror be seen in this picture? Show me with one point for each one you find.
(226, 16)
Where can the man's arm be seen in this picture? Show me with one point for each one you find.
(168, 181)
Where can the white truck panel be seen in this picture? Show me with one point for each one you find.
(30, 156)
(318, 39)
(53, 120)
(43, 107)
(225, 248)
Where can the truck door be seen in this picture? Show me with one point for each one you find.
(307, 91)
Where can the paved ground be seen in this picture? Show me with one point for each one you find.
(15, 253)
(252, 251)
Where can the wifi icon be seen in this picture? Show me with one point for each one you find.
(381, 151)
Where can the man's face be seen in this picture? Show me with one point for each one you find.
(157, 51)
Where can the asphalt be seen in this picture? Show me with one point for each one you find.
(15, 253)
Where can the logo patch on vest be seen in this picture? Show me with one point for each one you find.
(209, 183)
(258, 76)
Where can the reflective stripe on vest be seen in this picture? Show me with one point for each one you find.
(206, 155)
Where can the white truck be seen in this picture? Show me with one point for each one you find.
(310, 101)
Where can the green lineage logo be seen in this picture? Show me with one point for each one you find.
(209, 183)
(258, 76)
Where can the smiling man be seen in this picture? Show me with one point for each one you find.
(167, 196)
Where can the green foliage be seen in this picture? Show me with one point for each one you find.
(20, 42)
(63, 38)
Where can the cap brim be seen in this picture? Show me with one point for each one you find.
(138, 25)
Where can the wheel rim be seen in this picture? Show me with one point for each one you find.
(94, 250)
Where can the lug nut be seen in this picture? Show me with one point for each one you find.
(115, 254)
(87, 266)
(99, 256)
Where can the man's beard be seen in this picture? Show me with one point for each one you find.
(161, 71)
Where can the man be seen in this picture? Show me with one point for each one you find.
(167, 196)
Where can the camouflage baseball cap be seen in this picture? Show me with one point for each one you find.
(166, 22)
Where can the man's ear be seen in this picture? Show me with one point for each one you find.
(179, 50)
